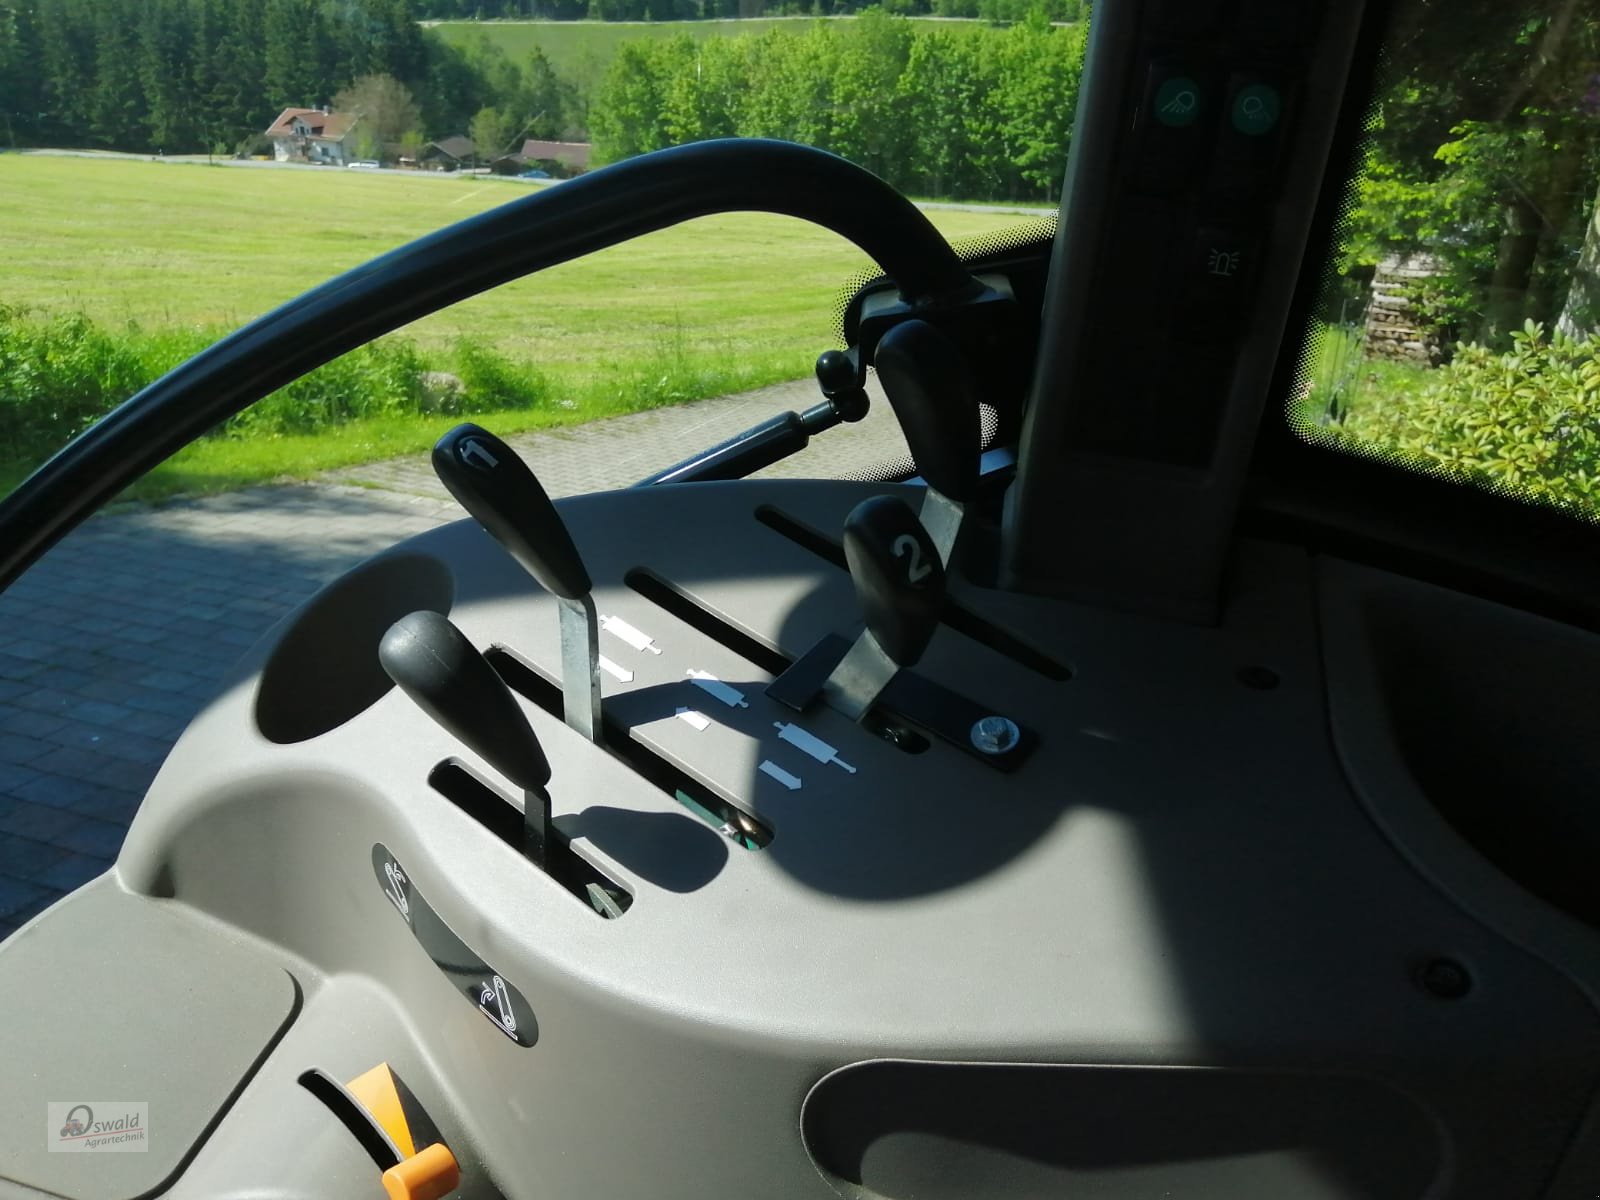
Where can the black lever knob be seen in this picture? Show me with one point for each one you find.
(930, 386)
(490, 481)
(435, 664)
(898, 577)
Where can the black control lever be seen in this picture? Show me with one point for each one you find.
(433, 662)
(899, 581)
(492, 483)
(931, 388)
(778, 437)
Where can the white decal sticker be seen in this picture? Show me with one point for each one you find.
(496, 1004)
(690, 717)
(636, 638)
(774, 771)
(709, 683)
(619, 673)
(104, 1126)
(396, 889)
(810, 743)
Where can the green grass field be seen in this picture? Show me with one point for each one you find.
(581, 50)
(725, 302)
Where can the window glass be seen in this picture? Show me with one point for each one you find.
(1459, 329)
(183, 168)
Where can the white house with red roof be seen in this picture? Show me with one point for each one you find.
(313, 135)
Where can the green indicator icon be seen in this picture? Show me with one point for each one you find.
(1178, 102)
(1256, 109)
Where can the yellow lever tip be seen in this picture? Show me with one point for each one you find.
(426, 1175)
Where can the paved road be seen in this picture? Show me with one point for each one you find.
(118, 636)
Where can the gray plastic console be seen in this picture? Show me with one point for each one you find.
(1175, 951)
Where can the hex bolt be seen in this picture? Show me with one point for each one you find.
(995, 735)
(1262, 679)
(1446, 979)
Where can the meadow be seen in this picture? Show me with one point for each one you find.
(581, 50)
(159, 258)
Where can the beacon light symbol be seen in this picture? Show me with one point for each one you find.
(1223, 263)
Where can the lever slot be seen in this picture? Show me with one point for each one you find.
(501, 817)
(693, 613)
(957, 616)
(722, 814)
(373, 1138)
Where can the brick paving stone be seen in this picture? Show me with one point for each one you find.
(119, 773)
(89, 836)
(73, 870)
(16, 750)
(156, 725)
(55, 790)
(47, 701)
(164, 702)
(10, 689)
(26, 858)
(65, 763)
(37, 821)
(109, 804)
(17, 896)
(98, 712)
(14, 777)
(61, 679)
(169, 681)
(15, 670)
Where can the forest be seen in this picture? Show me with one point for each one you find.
(964, 111)
(180, 76)
(695, 10)
(968, 110)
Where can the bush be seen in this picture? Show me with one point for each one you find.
(61, 373)
(1526, 421)
(493, 381)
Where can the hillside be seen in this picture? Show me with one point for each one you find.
(581, 50)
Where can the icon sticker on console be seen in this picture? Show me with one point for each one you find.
(482, 985)
(636, 638)
(710, 684)
(697, 719)
(773, 771)
(496, 1004)
(395, 888)
(809, 743)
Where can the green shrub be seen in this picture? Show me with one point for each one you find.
(61, 373)
(490, 380)
(1526, 421)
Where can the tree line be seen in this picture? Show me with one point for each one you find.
(958, 111)
(965, 111)
(184, 76)
(697, 10)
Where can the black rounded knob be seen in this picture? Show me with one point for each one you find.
(490, 481)
(898, 577)
(930, 386)
(435, 664)
(835, 372)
